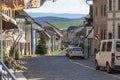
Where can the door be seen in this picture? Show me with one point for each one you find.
(102, 54)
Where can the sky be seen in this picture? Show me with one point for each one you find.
(62, 6)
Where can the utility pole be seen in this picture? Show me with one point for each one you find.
(114, 19)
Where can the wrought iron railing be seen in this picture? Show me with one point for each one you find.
(5, 73)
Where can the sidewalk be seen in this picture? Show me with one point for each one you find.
(91, 58)
(20, 76)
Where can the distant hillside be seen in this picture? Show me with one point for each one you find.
(65, 25)
(64, 15)
(51, 19)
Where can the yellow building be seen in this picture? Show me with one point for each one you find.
(99, 21)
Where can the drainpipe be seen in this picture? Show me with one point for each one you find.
(114, 19)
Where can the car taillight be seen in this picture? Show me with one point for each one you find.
(113, 57)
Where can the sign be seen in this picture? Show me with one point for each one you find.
(97, 37)
(81, 39)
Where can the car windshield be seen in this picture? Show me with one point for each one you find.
(118, 46)
(77, 49)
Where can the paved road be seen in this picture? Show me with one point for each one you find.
(62, 68)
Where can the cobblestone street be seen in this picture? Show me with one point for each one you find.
(63, 68)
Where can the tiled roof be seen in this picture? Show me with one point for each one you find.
(51, 29)
(21, 12)
(72, 28)
(11, 4)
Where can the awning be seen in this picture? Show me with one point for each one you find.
(20, 39)
(8, 23)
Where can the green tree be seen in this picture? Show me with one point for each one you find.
(41, 47)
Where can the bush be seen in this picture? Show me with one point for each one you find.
(64, 47)
(16, 54)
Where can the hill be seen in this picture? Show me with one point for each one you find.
(52, 19)
(65, 25)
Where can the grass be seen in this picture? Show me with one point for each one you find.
(35, 55)
(55, 52)
(65, 25)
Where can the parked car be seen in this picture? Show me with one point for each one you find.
(74, 51)
(108, 55)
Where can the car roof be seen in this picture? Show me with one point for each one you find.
(75, 47)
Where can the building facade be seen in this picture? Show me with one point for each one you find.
(99, 21)
(113, 19)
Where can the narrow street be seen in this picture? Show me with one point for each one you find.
(62, 68)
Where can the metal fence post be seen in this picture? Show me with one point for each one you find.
(1, 46)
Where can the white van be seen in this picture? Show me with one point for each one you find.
(108, 55)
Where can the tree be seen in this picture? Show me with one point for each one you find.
(41, 47)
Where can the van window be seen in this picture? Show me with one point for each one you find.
(103, 46)
(118, 46)
(109, 46)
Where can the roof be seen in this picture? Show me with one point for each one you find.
(21, 12)
(11, 4)
(47, 34)
(37, 26)
(52, 30)
(8, 23)
(72, 28)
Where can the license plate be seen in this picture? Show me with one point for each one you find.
(118, 57)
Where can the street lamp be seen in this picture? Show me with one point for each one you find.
(89, 2)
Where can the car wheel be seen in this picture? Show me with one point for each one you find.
(96, 65)
(108, 68)
(67, 55)
(70, 57)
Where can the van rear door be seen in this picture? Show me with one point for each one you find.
(117, 53)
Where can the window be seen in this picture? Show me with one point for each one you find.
(101, 10)
(96, 11)
(109, 46)
(104, 10)
(118, 4)
(118, 46)
(103, 46)
(119, 32)
(110, 36)
(102, 34)
(110, 5)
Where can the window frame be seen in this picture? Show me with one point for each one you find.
(109, 44)
(103, 47)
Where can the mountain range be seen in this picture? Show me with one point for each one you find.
(63, 15)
